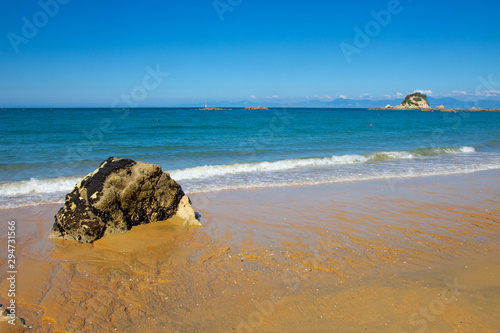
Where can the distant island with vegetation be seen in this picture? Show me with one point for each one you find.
(418, 101)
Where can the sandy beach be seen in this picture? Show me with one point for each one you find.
(235, 166)
(402, 255)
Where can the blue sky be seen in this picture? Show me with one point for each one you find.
(91, 53)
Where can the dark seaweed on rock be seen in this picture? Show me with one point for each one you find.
(95, 184)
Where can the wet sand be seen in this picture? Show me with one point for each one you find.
(414, 255)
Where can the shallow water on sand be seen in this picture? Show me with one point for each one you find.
(410, 256)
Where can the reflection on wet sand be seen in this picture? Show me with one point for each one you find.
(343, 257)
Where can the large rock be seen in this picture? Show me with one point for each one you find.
(120, 194)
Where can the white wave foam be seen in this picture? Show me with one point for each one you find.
(209, 171)
(38, 186)
(467, 149)
(341, 178)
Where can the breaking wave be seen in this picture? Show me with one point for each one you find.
(306, 171)
(209, 171)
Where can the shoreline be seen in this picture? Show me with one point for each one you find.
(344, 256)
(243, 187)
(387, 181)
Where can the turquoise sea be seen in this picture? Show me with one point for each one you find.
(44, 152)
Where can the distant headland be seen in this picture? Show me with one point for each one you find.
(213, 109)
(418, 101)
(247, 108)
(256, 108)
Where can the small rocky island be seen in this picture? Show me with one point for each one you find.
(418, 101)
(120, 194)
(415, 101)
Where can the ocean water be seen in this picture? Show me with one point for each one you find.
(45, 152)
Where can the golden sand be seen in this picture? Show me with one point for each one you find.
(419, 255)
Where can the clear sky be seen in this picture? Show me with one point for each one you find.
(90, 53)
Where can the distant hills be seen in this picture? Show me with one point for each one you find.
(275, 102)
(448, 102)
